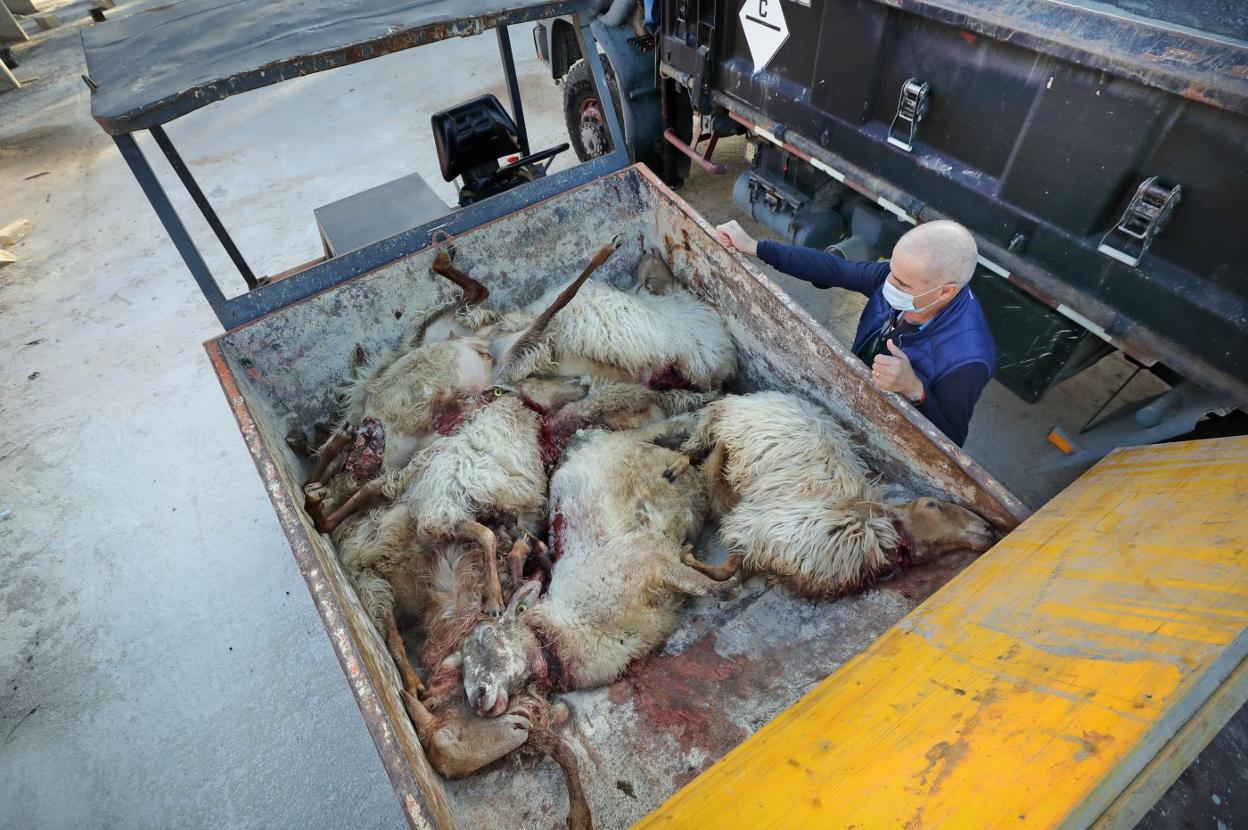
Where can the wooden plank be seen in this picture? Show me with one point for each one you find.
(1033, 688)
(15, 232)
(22, 6)
(10, 30)
(1140, 796)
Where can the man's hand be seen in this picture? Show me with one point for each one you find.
(895, 374)
(732, 236)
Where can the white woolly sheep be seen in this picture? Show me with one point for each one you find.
(798, 502)
(625, 566)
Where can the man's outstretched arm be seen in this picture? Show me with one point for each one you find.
(820, 269)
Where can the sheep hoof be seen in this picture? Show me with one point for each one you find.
(297, 440)
(678, 468)
(518, 721)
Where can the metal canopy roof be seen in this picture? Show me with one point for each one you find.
(163, 62)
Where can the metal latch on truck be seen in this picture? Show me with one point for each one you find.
(911, 108)
(1146, 214)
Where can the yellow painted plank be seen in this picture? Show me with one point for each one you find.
(1031, 689)
(1133, 803)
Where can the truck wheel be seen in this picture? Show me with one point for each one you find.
(586, 119)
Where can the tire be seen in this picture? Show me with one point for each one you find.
(582, 112)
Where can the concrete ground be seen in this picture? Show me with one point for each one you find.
(162, 664)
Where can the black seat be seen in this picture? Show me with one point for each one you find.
(474, 134)
(471, 137)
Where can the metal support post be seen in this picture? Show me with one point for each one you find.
(513, 85)
(169, 218)
(7, 79)
(201, 201)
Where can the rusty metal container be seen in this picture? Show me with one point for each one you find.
(732, 666)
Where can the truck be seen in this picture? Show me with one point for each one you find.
(1094, 149)
(731, 668)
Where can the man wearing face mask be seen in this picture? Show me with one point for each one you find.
(923, 332)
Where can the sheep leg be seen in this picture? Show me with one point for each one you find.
(298, 442)
(314, 501)
(335, 466)
(424, 720)
(516, 557)
(328, 452)
(553, 746)
(542, 557)
(398, 652)
(359, 500)
(472, 742)
(713, 464)
(485, 537)
(473, 291)
(531, 336)
(683, 579)
(719, 573)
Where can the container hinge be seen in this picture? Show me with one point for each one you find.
(911, 107)
(1145, 216)
(700, 89)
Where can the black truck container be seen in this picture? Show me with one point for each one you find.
(1097, 150)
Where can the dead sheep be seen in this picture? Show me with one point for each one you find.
(797, 501)
(437, 588)
(625, 567)
(418, 390)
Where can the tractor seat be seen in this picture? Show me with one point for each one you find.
(472, 135)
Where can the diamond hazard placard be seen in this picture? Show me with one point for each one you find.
(765, 29)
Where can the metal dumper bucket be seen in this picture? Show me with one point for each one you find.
(730, 668)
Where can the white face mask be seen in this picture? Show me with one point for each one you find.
(902, 301)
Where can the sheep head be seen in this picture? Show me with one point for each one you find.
(457, 742)
(653, 275)
(499, 655)
(932, 527)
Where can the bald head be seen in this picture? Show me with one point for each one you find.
(937, 252)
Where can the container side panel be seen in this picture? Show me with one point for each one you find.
(361, 652)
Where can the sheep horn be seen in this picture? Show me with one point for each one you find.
(528, 340)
